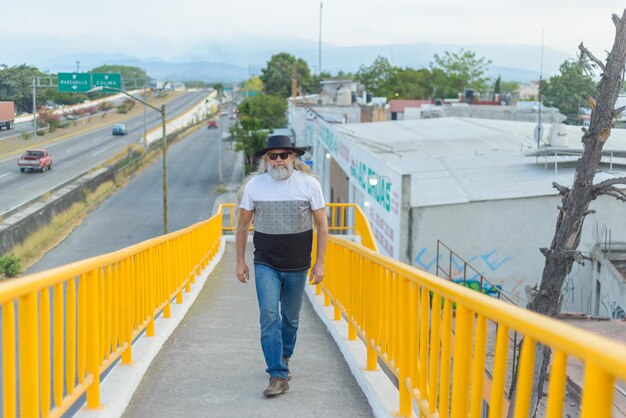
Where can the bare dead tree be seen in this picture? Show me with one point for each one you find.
(563, 251)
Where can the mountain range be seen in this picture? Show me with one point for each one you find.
(236, 60)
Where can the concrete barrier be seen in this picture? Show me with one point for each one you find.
(198, 112)
(21, 224)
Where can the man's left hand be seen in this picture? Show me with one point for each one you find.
(317, 273)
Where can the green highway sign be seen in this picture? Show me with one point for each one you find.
(106, 80)
(74, 82)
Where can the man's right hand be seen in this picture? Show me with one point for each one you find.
(243, 273)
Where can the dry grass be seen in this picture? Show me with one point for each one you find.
(49, 236)
(45, 196)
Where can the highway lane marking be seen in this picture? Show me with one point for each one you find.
(71, 149)
(87, 130)
(6, 174)
(104, 149)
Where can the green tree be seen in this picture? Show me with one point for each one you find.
(409, 83)
(132, 76)
(509, 86)
(257, 116)
(16, 84)
(570, 89)
(276, 76)
(253, 84)
(378, 78)
(219, 87)
(496, 87)
(462, 70)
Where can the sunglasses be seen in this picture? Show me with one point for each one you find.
(283, 155)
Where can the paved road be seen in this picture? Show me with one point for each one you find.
(134, 213)
(77, 154)
(17, 129)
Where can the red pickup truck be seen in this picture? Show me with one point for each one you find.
(35, 159)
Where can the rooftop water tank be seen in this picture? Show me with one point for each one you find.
(558, 135)
(344, 96)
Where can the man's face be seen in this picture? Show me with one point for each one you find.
(280, 163)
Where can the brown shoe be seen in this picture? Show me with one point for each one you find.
(286, 360)
(278, 386)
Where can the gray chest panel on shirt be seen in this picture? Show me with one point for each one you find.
(282, 217)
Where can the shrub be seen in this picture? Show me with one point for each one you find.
(10, 265)
(126, 106)
(26, 135)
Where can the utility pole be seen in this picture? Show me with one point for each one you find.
(37, 83)
(35, 107)
(319, 46)
(294, 82)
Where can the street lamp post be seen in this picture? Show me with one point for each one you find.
(163, 143)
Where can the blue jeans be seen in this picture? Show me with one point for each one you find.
(278, 330)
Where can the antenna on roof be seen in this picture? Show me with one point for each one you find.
(539, 127)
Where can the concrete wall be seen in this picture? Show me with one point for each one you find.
(20, 226)
(608, 287)
(198, 112)
(502, 238)
(296, 120)
(493, 112)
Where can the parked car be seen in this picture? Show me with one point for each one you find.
(212, 124)
(35, 159)
(120, 129)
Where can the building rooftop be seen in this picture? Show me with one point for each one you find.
(460, 160)
(398, 105)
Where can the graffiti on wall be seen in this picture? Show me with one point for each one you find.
(613, 307)
(487, 263)
(486, 288)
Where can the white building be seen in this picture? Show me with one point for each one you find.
(471, 184)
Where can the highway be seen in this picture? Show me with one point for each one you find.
(134, 213)
(77, 154)
(17, 129)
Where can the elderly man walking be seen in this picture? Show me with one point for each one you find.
(285, 199)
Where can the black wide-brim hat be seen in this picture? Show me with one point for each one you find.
(278, 142)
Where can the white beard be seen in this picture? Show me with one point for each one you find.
(281, 173)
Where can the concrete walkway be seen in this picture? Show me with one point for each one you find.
(212, 365)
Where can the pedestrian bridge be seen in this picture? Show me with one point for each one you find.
(413, 343)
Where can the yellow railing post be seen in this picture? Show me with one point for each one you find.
(93, 338)
(44, 350)
(9, 392)
(598, 390)
(127, 297)
(29, 356)
(403, 353)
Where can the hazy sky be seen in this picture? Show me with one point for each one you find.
(127, 26)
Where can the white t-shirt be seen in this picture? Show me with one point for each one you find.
(298, 186)
(283, 219)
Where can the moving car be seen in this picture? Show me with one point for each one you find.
(120, 129)
(212, 124)
(35, 159)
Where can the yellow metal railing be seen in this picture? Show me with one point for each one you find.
(438, 352)
(74, 321)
